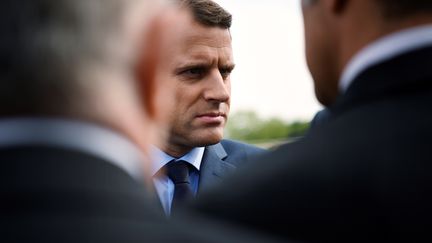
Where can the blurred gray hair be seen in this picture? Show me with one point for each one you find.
(45, 44)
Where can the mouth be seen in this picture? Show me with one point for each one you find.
(213, 114)
(215, 118)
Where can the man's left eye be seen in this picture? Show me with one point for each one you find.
(225, 72)
(195, 71)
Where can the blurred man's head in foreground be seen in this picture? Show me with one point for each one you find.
(335, 30)
(90, 60)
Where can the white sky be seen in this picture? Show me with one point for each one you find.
(271, 76)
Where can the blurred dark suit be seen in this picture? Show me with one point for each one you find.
(321, 117)
(59, 195)
(365, 174)
(53, 188)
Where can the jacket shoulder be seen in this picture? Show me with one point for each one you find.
(240, 150)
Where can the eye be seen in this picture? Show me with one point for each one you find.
(225, 72)
(193, 73)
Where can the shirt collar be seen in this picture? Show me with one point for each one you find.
(160, 158)
(76, 135)
(384, 49)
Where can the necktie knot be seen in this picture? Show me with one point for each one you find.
(178, 172)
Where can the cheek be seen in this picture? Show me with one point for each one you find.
(185, 107)
(188, 96)
(321, 54)
(313, 45)
(318, 63)
(318, 49)
(323, 70)
(315, 34)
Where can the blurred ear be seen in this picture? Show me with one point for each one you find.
(148, 58)
(163, 32)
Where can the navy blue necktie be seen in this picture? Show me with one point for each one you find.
(178, 172)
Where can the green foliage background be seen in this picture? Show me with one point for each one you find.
(247, 126)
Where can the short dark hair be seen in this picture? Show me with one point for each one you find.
(208, 13)
(404, 8)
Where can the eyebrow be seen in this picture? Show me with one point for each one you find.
(227, 68)
(194, 64)
(203, 63)
(230, 66)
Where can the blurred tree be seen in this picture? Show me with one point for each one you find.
(249, 127)
(297, 129)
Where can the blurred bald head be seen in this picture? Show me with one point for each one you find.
(88, 60)
(53, 52)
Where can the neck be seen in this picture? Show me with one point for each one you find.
(176, 150)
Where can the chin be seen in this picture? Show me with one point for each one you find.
(209, 139)
(324, 97)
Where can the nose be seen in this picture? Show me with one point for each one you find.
(218, 88)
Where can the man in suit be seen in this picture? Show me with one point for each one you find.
(75, 122)
(366, 173)
(320, 118)
(198, 64)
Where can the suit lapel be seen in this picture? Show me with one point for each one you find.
(213, 167)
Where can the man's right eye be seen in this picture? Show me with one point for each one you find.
(193, 72)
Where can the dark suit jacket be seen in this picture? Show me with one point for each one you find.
(50, 194)
(321, 117)
(364, 175)
(222, 159)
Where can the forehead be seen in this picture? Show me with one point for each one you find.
(199, 41)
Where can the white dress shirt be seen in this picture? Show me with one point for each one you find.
(164, 186)
(384, 49)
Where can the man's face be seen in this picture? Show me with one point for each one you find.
(198, 65)
(321, 50)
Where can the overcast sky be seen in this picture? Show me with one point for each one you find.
(271, 76)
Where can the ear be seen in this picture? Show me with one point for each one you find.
(147, 62)
(155, 91)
